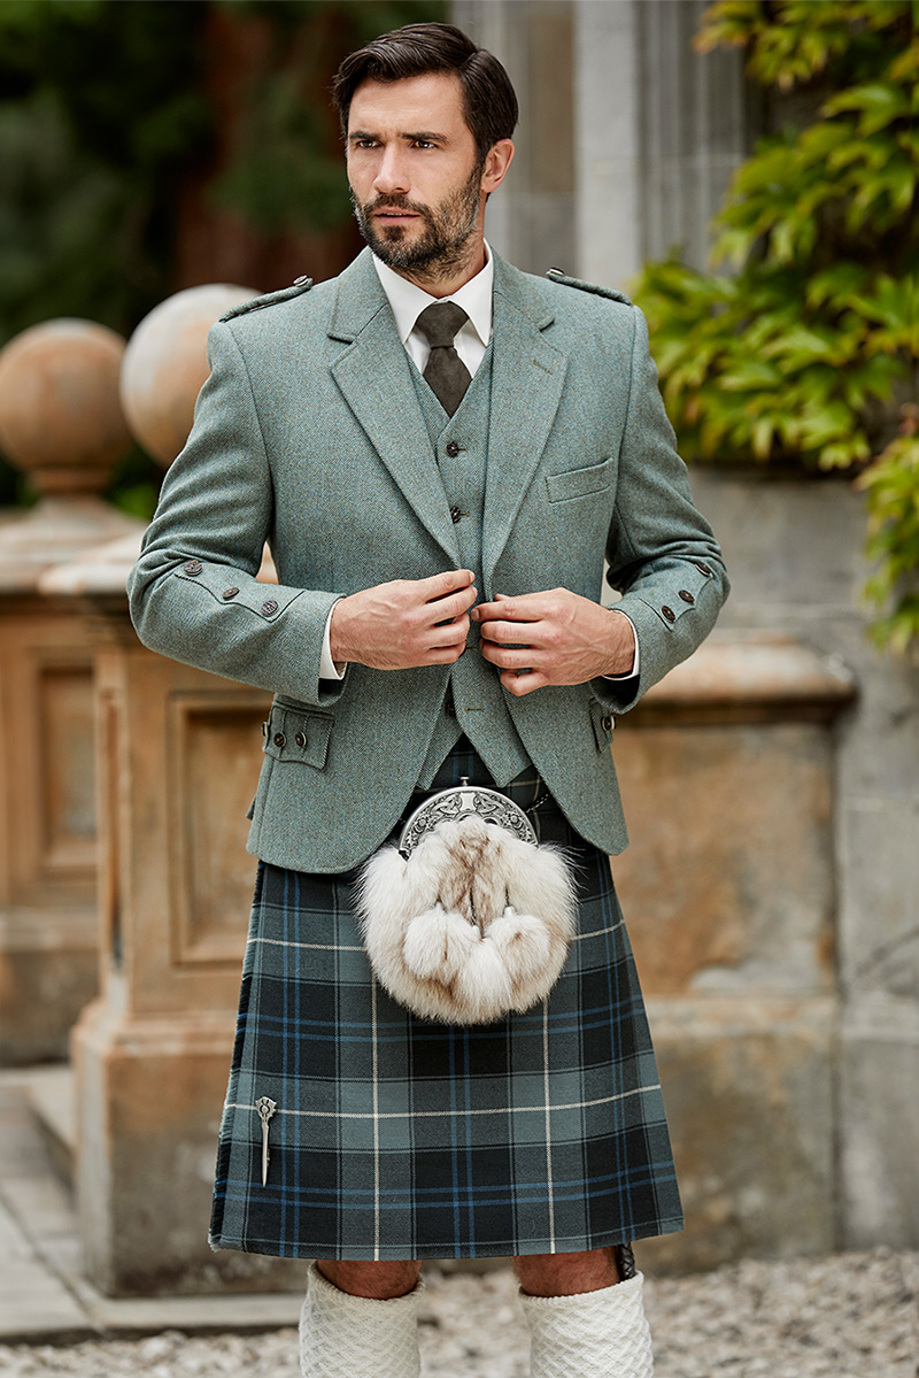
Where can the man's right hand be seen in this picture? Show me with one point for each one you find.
(405, 623)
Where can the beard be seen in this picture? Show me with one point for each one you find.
(441, 248)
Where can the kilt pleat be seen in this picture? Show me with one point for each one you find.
(395, 1137)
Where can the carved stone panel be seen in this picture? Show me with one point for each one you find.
(214, 755)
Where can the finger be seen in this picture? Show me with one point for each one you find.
(519, 685)
(440, 585)
(513, 609)
(511, 633)
(450, 608)
(506, 659)
(449, 633)
(444, 655)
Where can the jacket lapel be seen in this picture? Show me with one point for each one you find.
(527, 380)
(373, 375)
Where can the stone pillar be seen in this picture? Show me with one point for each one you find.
(627, 136)
(728, 887)
(60, 422)
(531, 219)
(178, 757)
(660, 129)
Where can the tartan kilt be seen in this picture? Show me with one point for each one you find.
(398, 1138)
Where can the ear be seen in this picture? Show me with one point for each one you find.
(497, 161)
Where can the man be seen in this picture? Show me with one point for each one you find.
(439, 496)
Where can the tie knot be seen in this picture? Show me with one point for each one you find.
(439, 323)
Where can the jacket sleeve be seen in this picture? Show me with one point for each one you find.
(193, 593)
(663, 557)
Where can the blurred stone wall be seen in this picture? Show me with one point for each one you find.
(794, 551)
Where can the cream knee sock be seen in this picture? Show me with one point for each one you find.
(342, 1336)
(600, 1334)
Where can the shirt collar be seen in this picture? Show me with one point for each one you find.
(408, 300)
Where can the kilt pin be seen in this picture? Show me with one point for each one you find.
(395, 1137)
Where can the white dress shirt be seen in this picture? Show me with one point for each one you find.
(408, 300)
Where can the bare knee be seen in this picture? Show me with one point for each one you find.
(378, 1281)
(564, 1275)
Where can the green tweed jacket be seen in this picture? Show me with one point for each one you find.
(309, 434)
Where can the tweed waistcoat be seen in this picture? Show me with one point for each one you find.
(474, 702)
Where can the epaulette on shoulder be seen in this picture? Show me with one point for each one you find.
(300, 286)
(556, 275)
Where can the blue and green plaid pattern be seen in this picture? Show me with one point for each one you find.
(396, 1138)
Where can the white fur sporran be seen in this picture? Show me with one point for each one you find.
(468, 918)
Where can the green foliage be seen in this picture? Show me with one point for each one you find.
(892, 485)
(806, 347)
(100, 114)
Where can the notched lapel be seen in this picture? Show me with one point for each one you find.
(373, 375)
(527, 380)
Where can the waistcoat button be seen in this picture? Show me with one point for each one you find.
(453, 448)
(269, 607)
(230, 593)
(456, 513)
(669, 614)
(686, 596)
(192, 567)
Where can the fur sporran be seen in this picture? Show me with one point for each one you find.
(467, 920)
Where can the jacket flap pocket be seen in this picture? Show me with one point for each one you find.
(291, 735)
(579, 483)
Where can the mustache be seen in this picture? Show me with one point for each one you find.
(398, 202)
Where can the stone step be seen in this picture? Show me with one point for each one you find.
(51, 1093)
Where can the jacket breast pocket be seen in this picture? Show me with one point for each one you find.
(294, 735)
(581, 483)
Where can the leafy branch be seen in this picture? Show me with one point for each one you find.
(804, 349)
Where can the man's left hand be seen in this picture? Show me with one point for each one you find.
(556, 637)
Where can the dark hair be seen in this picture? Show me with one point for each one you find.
(489, 102)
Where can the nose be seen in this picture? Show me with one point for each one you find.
(392, 175)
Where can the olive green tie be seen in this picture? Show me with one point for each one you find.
(445, 373)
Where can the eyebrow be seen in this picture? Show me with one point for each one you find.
(409, 136)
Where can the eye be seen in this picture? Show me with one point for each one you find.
(423, 143)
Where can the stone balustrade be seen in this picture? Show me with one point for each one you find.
(730, 773)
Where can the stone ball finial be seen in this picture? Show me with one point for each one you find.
(165, 365)
(60, 415)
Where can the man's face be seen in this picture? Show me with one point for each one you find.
(416, 180)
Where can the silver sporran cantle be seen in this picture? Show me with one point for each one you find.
(468, 918)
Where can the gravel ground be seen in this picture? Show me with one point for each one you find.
(849, 1316)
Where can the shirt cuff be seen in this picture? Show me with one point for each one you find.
(327, 667)
(633, 673)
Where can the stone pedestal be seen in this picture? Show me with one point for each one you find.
(727, 770)
(178, 756)
(48, 957)
(61, 422)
